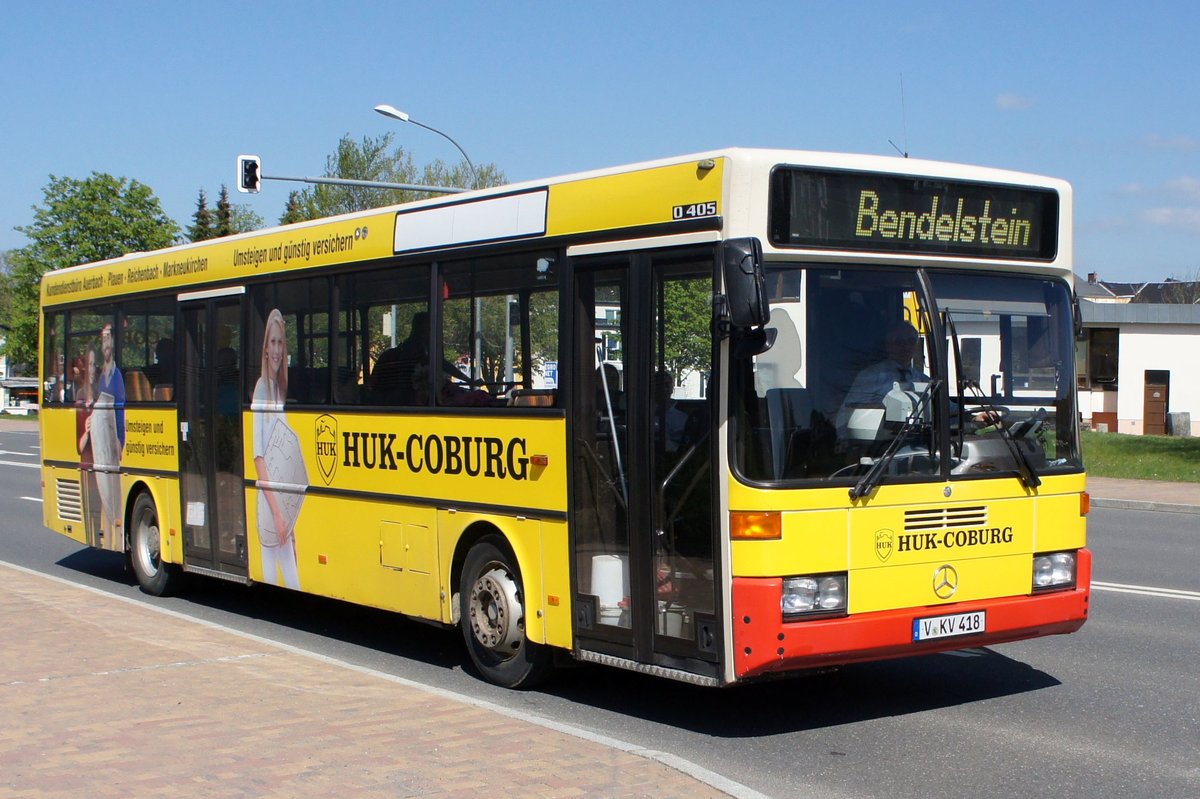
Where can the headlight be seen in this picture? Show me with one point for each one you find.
(1053, 570)
(813, 594)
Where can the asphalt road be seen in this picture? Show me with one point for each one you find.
(1111, 711)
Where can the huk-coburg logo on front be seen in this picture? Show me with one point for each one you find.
(885, 544)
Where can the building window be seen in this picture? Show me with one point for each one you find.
(1102, 358)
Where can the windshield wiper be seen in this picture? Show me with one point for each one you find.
(952, 329)
(867, 483)
(1025, 468)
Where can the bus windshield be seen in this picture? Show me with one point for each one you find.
(856, 377)
(1011, 372)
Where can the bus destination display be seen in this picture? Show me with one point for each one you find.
(895, 213)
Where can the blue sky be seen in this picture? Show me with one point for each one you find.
(1104, 94)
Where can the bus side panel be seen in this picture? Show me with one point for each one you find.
(72, 495)
(362, 494)
(165, 491)
(62, 505)
(64, 491)
(555, 605)
(370, 552)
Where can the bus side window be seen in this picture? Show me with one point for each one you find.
(498, 336)
(376, 311)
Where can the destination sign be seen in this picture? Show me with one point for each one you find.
(876, 212)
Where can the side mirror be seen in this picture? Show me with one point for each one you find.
(745, 283)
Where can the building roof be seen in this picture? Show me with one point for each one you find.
(1122, 289)
(1165, 292)
(1170, 291)
(1140, 313)
(1087, 290)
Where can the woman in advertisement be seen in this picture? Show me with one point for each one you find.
(83, 374)
(275, 459)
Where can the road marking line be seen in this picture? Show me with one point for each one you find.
(31, 499)
(1144, 590)
(18, 463)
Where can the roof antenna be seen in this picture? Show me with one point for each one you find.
(904, 120)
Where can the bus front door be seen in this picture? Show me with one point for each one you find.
(644, 526)
(210, 405)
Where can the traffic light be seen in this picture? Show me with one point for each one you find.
(249, 174)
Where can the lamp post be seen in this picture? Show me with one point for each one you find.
(391, 112)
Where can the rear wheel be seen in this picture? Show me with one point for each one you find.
(492, 617)
(155, 577)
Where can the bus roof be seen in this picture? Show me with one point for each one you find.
(684, 193)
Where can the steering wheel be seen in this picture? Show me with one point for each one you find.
(999, 410)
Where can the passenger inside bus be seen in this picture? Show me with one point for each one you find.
(400, 376)
(394, 380)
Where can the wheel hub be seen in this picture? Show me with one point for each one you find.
(496, 614)
(147, 545)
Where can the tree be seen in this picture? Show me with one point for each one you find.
(202, 221)
(1184, 290)
(230, 218)
(294, 211)
(81, 221)
(439, 173)
(687, 309)
(224, 214)
(374, 158)
(243, 219)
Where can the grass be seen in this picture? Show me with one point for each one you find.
(1142, 457)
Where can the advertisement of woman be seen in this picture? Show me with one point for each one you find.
(278, 461)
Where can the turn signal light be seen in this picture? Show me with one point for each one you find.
(755, 526)
(1085, 503)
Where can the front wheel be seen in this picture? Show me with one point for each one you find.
(492, 617)
(155, 577)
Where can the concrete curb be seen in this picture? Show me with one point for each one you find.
(1138, 504)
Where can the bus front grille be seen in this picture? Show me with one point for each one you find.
(944, 518)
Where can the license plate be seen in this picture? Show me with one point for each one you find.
(954, 624)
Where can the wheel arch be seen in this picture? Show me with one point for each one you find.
(523, 549)
(167, 552)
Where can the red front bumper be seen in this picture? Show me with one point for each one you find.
(764, 643)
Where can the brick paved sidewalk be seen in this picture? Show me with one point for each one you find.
(102, 698)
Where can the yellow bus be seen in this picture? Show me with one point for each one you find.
(715, 418)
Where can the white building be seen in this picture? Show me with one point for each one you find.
(1139, 366)
(17, 394)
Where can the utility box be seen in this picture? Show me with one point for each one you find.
(1179, 424)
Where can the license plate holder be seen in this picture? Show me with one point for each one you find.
(951, 625)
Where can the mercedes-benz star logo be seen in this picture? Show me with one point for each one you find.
(945, 581)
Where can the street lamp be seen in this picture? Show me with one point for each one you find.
(391, 112)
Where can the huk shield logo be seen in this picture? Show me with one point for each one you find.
(326, 437)
(885, 544)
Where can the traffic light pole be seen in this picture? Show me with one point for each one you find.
(250, 178)
(369, 184)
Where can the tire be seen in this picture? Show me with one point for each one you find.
(155, 577)
(492, 618)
